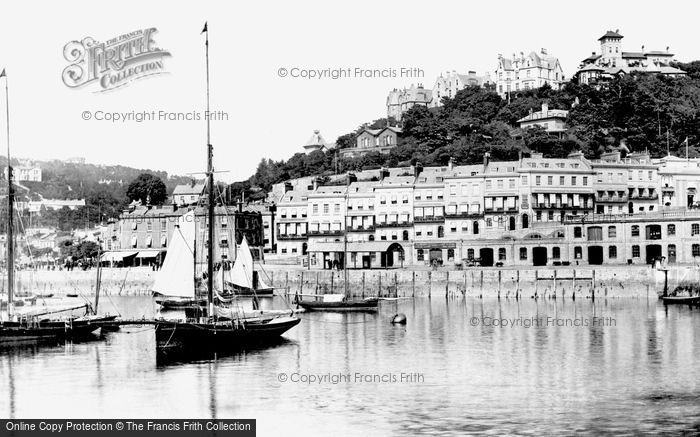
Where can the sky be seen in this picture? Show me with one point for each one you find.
(271, 116)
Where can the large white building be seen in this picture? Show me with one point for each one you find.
(26, 171)
(524, 72)
(447, 85)
(612, 61)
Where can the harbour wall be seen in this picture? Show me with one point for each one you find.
(598, 281)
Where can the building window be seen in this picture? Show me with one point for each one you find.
(635, 231)
(595, 233)
(538, 180)
(470, 253)
(326, 208)
(695, 229)
(578, 252)
(556, 253)
(612, 232)
(371, 238)
(612, 252)
(450, 254)
(475, 228)
(441, 232)
(671, 230)
(523, 253)
(420, 256)
(577, 232)
(314, 208)
(635, 251)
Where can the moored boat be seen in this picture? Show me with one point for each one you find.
(177, 277)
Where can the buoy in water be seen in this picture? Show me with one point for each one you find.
(399, 319)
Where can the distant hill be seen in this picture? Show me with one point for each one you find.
(102, 186)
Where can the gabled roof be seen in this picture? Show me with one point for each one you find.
(188, 189)
(610, 34)
(376, 132)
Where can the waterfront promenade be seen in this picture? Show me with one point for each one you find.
(636, 281)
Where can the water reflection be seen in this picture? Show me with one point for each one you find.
(636, 375)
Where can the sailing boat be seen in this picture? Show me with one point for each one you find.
(341, 302)
(34, 327)
(175, 284)
(245, 281)
(209, 331)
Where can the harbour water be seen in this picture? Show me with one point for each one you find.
(460, 366)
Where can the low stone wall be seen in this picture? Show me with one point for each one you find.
(602, 281)
(613, 282)
(124, 281)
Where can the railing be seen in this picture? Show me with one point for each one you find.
(607, 198)
(429, 219)
(612, 218)
(327, 232)
(291, 236)
(459, 215)
(369, 228)
(402, 224)
(643, 197)
(559, 206)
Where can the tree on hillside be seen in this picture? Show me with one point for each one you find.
(147, 187)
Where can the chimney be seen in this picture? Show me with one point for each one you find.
(192, 183)
(576, 155)
(351, 178)
(417, 169)
(667, 49)
(487, 157)
(451, 163)
(617, 30)
(592, 53)
(642, 48)
(545, 108)
(383, 173)
(543, 51)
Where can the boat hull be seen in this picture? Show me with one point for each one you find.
(366, 305)
(49, 330)
(681, 300)
(179, 335)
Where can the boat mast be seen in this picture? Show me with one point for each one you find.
(10, 202)
(345, 244)
(210, 177)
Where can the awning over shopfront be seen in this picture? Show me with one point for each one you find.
(116, 256)
(353, 246)
(149, 254)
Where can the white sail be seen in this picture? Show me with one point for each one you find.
(176, 277)
(242, 271)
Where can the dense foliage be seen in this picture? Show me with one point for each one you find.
(650, 112)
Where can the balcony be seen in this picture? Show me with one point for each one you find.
(464, 215)
(611, 199)
(565, 206)
(654, 196)
(369, 228)
(430, 219)
(287, 237)
(402, 224)
(335, 232)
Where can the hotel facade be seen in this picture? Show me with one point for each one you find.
(534, 211)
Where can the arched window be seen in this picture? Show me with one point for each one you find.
(475, 228)
(405, 235)
(511, 223)
(526, 221)
(371, 237)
